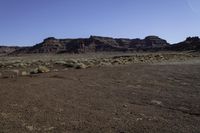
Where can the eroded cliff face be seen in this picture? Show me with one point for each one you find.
(191, 43)
(94, 44)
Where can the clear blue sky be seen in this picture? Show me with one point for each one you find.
(27, 22)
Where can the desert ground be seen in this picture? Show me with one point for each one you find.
(100, 93)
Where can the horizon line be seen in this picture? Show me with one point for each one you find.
(24, 45)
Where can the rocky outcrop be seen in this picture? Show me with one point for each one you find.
(99, 44)
(155, 42)
(191, 43)
(94, 44)
(49, 45)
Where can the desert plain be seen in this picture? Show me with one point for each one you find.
(102, 92)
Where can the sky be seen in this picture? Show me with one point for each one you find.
(28, 22)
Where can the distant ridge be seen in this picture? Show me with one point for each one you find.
(93, 44)
(100, 44)
(8, 49)
(191, 43)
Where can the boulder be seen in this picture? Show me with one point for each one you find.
(43, 69)
(40, 69)
(25, 73)
(80, 66)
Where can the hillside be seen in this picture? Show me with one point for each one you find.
(191, 43)
(7, 49)
(93, 44)
(101, 44)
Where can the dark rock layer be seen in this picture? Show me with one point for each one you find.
(94, 44)
(7, 49)
(191, 43)
(99, 44)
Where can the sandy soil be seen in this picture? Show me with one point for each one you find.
(135, 98)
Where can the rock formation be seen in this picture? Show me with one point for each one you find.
(191, 43)
(99, 44)
(7, 49)
(94, 44)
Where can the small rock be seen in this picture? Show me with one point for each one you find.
(40, 69)
(80, 66)
(43, 69)
(139, 119)
(60, 62)
(125, 106)
(30, 128)
(34, 71)
(24, 73)
(69, 64)
(55, 70)
(65, 69)
(156, 102)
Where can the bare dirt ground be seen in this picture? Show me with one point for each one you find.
(130, 98)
